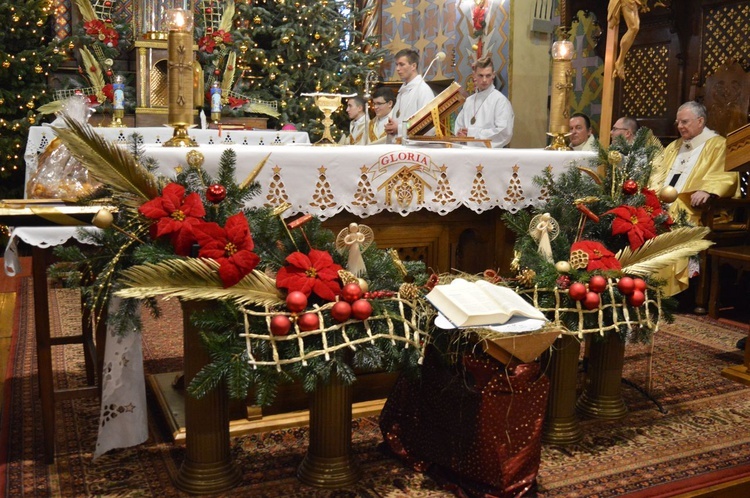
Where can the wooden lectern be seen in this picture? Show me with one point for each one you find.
(738, 159)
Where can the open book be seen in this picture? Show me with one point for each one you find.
(473, 304)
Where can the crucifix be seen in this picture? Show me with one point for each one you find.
(614, 64)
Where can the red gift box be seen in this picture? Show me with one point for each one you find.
(476, 425)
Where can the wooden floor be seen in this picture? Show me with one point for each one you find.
(731, 489)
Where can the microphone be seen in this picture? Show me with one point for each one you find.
(439, 57)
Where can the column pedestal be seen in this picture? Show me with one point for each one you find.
(329, 462)
(208, 466)
(602, 395)
(561, 424)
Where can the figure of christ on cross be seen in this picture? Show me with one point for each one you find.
(628, 10)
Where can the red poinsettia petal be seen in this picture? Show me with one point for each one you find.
(153, 209)
(294, 279)
(212, 239)
(238, 232)
(326, 289)
(193, 206)
(299, 260)
(246, 261)
(229, 273)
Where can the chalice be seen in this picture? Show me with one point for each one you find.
(327, 103)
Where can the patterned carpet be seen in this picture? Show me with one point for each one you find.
(706, 428)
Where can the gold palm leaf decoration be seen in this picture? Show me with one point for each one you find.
(86, 10)
(111, 165)
(226, 82)
(227, 17)
(93, 72)
(664, 250)
(196, 279)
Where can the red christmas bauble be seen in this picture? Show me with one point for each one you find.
(341, 311)
(591, 301)
(626, 285)
(361, 309)
(217, 72)
(577, 291)
(637, 298)
(351, 292)
(630, 187)
(280, 325)
(639, 284)
(296, 301)
(216, 193)
(308, 321)
(597, 283)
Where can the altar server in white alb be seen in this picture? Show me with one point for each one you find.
(414, 93)
(487, 114)
(383, 101)
(355, 109)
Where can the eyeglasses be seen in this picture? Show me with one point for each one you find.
(684, 122)
(615, 128)
(378, 104)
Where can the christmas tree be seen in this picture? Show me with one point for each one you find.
(26, 58)
(285, 48)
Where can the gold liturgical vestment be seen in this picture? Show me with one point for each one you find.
(708, 175)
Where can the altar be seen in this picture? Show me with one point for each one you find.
(437, 205)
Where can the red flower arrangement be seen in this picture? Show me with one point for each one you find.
(314, 273)
(102, 31)
(231, 247)
(600, 258)
(176, 214)
(211, 41)
(635, 222)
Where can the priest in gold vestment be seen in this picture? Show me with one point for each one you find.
(694, 165)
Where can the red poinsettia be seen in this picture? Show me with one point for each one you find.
(311, 273)
(636, 222)
(231, 247)
(235, 103)
(176, 215)
(109, 92)
(218, 38)
(102, 31)
(477, 16)
(600, 258)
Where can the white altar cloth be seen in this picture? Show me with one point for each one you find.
(123, 419)
(40, 137)
(365, 180)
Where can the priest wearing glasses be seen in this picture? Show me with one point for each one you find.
(487, 114)
(694, 164)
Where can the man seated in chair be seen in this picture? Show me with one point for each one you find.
(487, 114)
(625, 127)
(581, 133)
(694, 165)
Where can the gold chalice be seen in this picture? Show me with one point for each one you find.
(327, 103)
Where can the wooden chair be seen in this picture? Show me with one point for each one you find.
(726, 95)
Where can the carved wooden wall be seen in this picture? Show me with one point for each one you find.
(676, 46)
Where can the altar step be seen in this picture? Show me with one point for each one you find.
(281, 415)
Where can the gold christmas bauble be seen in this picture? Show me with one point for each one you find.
(363, 284)
(562, 266)
(38, 69)
(475, 47)
(316, 36)
(284, 39)
(103, 218)
(2, 101)
(30, 104)
(668, 194)
(257, 20)
(32, 120)
(6, 64)
(16, 18)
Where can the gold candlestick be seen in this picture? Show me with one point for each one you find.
(559, 115)
(180, 77)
